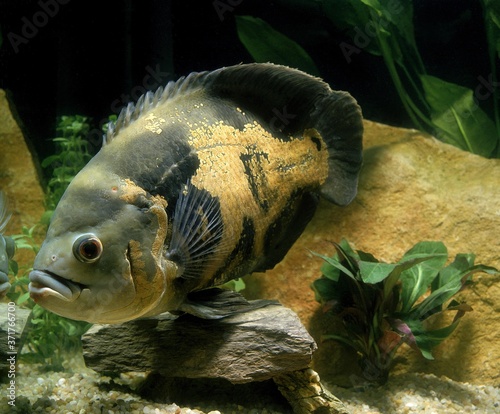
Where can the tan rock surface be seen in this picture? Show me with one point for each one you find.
(412, 188)
(18, 177)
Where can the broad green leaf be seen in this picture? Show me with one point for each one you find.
(346, 14)
(379, 27)
(395, 23)
(325, 290)
(330, 272)
(367, 257)
(433, 303)
(333, 272)
(356, 18)
(335, 263)
(417, 279)
(266, 44)
(427, 340)
(403, 265)
(461, 263)
(375, 272)
(347, 249)
(460, 121)
(400, 14)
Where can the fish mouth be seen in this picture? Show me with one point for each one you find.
(44, 283)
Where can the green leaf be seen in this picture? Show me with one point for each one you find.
(354, 17)
(14, 267)
(433, 303)
(367, 257)
(325, 290)
(460, 264)
(347, 250)
(23, 298)
(335, 263)
(266, 44)
(460, 121)
(345, 340)
(375, 272)
(235, 284)
(393, 278)
(373, 24)
(427, 340)
(417, 279)
(330, 272)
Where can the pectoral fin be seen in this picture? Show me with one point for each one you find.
(197, 230)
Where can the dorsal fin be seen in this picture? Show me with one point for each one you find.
(288, 101)
(150, 100)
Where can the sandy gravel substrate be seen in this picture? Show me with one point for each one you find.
(84, 391)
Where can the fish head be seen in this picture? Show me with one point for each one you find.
(102, 260)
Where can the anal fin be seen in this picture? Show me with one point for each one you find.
(218, 303)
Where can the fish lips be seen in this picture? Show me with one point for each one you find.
(43, 284)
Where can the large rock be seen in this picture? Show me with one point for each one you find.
(18, 177)
(412, 188)
(254, 344)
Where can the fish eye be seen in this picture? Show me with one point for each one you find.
(87, 248)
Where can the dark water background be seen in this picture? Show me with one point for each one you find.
(91, 57)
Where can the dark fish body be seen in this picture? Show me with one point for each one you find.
(207, 180)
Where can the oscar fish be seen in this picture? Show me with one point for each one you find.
(208, 179)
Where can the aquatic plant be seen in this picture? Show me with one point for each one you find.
(384, 305)
(450, 111)
(384, 28)
(18, 292)
(266, 44)
(51, 338)
(71, 155)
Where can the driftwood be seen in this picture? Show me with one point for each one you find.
(306, 394)
(263, 343)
